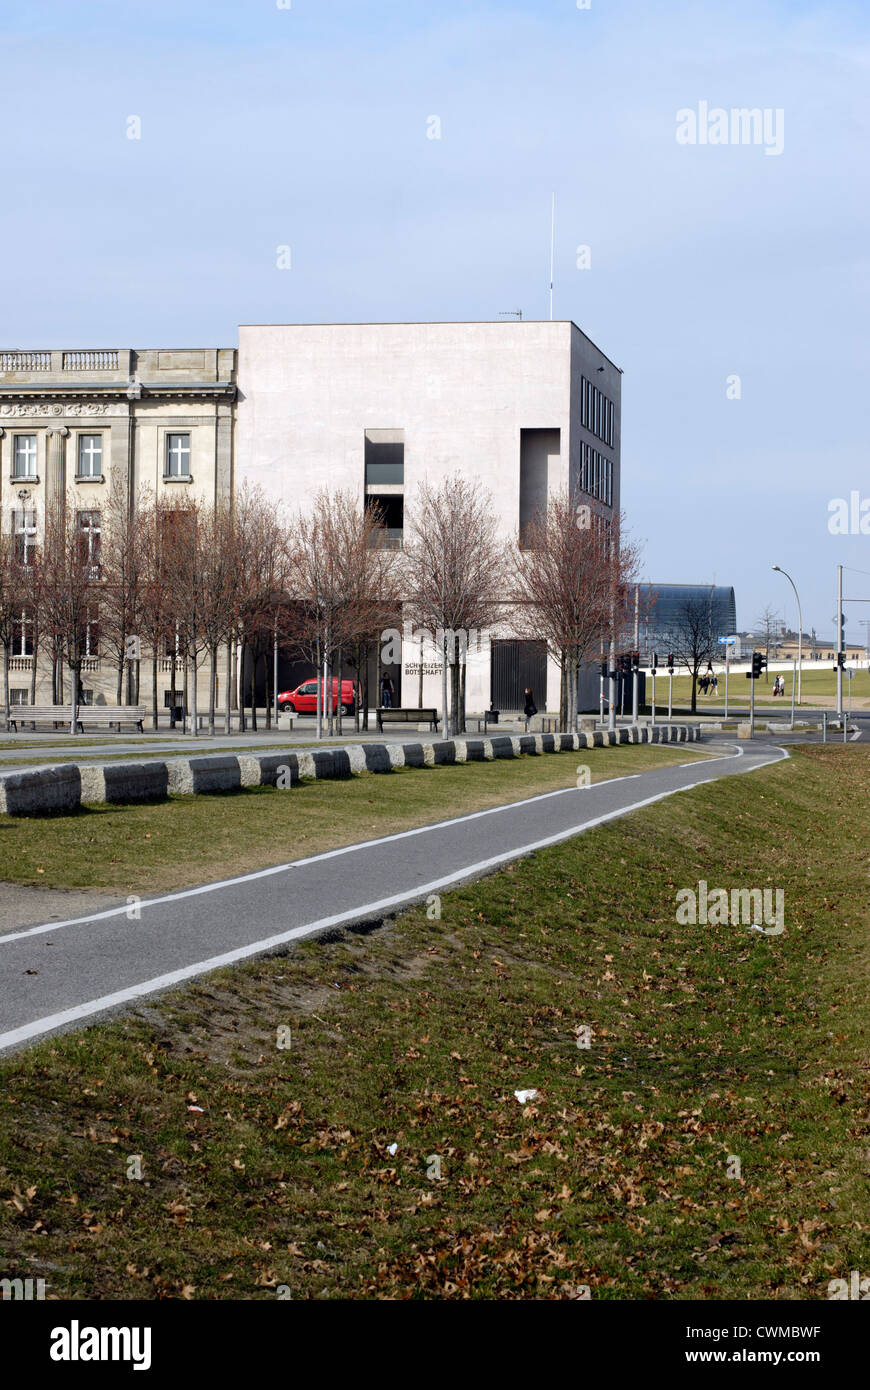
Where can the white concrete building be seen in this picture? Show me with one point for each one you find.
(527, 408)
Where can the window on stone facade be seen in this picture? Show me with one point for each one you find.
(90, 455)
(178, 456)
(91, 633)
(24, 456)
(22, 634)
(90, 536)
(24, 536)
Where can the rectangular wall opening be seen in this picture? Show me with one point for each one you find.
(539, 474)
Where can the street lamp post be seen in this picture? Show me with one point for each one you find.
(779, 570)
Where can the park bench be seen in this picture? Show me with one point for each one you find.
(407, 716)
(87, 714)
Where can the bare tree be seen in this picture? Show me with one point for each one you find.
(691, 637)
(366, 580)
(122, 562)
(10, 608)
(186, 543)
(70, 596)
(769, 625)
(261, 544)
(155, 599)
(454, 574)
(569, 574)
(316, 579)
(220, 587)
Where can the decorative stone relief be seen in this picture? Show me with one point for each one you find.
(39, 408)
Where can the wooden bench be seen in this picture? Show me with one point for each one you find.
(407, 716)
(87, 714)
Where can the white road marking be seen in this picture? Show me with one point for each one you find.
(50, 1022)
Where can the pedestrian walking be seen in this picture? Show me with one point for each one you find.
(530, 709)
(715, 690)
(388, 690)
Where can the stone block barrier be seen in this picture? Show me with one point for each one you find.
(68, 786)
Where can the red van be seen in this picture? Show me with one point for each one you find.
(303, 700)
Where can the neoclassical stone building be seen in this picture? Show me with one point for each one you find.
(72, 421)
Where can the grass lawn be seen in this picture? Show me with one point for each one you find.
(192, 839)
(816, 684)
(712, 1142)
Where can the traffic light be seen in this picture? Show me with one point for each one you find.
(671, 662)
(625, 663)
(603, 670)
(758, 665)
(655, 662)
(635, 661)
(841, 659)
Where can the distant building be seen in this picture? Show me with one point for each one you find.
(663, 611)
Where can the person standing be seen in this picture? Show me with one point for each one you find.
(530, 709)
(387, 691)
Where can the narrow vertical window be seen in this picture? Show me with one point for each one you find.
(90, 456)
(178, 456)
(24, 456)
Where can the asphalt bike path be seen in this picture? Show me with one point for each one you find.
(57, 975)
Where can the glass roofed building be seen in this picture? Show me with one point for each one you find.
(666, 609)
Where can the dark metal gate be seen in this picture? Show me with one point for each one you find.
(515, 665)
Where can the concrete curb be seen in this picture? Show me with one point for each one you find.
(68, 786)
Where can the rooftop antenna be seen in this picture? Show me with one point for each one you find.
(510, 313)
(552, 252)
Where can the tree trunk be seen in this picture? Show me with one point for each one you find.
(268, 669)
(463, 672)
(454, 686)
(327, 694)
(211, 686)
(365, 693)
(195, 701)
(35, 660)
(563, 692)
(155, 717)
(75, 673)
(228, 698)
(240, 683)
(254, 658)
(6, 683)
(119, 685)
(339, 716)
(320, 693)
(173, 698)
(445, 716)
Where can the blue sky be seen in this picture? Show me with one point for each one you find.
(307, 127)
